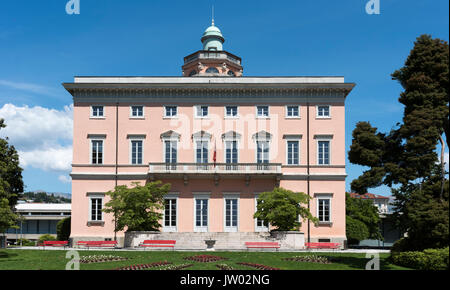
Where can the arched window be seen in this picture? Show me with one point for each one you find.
(231, 73)
(193, 73)
(212, 70)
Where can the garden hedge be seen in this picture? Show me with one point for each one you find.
(429, 259)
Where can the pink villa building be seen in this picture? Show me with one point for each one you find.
(217, 137)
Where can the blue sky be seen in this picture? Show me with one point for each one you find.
(41, 46)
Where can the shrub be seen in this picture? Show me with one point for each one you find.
(281, 209)
(63, 229)
(46, 237)
(401, 245)
(356, 230)
(429, 259)
(26, 243)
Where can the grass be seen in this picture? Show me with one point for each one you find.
(56, 260)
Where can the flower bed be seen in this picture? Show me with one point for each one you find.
(101, 259)
(205, 258)
(144, 266)
(175, 267)
(310, 259)
(224, 267)
(258, 266)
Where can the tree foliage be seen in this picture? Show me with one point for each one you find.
(364, 211)
(356, 230)
(137, 208)
(281, 208)
(406, 156)
(63, 229)
(425, 213)
(408, 152)
(11, 184)
(7, 217)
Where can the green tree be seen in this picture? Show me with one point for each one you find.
(63, 229)
(137, 208)
(405, 157)
(408, 152)
(11, 184)
(356, 230)
(425, 213)
(7, 217)
(281, 208)
(361, 211)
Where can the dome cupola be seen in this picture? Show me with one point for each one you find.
(212, 38)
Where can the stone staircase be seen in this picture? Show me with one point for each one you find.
(224, 241)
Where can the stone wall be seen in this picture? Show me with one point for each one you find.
(224, 241)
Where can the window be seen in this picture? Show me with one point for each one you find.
(97, 111)
(292, 111)
(201, 214)
(170, 154)
(231, 214)
(136, 151)
(323, 209)
(231, 155)
(231, 111)
(201, 111)
(292, 152)
(201, 153)
(137, 111)
(193, 73)
(170, 213)
(212, 70)
(231, 73)
(262, 154)
(97, 151)
(323, 111)
(262, 111)
(96, 209)
(323, 156)
(171, 111)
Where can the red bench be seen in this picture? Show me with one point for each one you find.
(158, 243)
(55, 244)
(262, 245)
(322, 245)
(97, 244)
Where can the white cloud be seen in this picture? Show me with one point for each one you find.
(64, 178)
(37, 127)
(42, 136)
(54, 159)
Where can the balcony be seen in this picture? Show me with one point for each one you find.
(217, 168)
(212, 55)
(186, 171)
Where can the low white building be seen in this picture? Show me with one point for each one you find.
(38, 219)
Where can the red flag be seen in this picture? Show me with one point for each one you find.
(215, 153)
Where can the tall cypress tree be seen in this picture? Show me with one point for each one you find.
(406, 156)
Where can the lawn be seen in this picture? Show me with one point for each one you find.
(56, 260)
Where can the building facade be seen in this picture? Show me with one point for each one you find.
(38, 219)
(217, 137)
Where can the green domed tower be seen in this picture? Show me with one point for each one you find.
(213, 39)
(212, 60)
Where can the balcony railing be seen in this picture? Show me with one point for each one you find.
(212, 55)
(213, 168)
